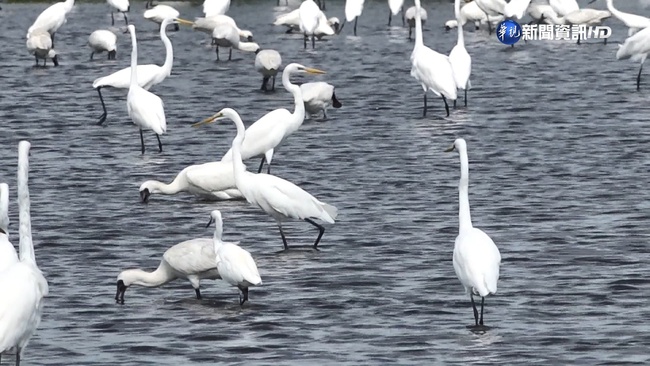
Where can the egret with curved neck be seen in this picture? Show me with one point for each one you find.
(279, 198)
(268, 132)
(476, 258)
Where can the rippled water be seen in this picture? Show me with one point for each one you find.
(558, 149)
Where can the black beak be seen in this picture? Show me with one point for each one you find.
(335, 102)
(55, 59)
(258, 51)
(144, 195)
(121, 289)
(111, 55)
(209, 222)
(336, 27)
(250, 38)
(447, 28)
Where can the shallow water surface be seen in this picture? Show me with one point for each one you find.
(558, 149)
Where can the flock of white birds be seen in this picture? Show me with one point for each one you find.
(476, 259)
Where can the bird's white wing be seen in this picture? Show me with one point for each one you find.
(212, 177)
(268, 60)
(147, 108)
(39, 40)
(481, 259)
(265, 134)
(290, 19)
(318, 90)
(50, 19)
(461, 65)
(103, 39)
(395, 6)
(236, 265)
(215, 7)
(122, 79)
(353, 9)
(635, 45)
(192, 256)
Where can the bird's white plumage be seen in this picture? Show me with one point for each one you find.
(491, 7)
(409, 15)
(635, 47)
(225, 35)
(214, 180)
(309, 17)
(470, 12)
(541, 11)
(39, 43)
(516, 8)
(8, 254)
(292, 20)
(633, 21)
(581, 16)
(461, 61)
(208, 24)
(317, 96)
(120, 5)
(476, 258)
(102, 40)
(564, 7)
(353, 9)
(432, 69)
(52, 18)
(160, 12)
(145, 108)
(268, 132)
(215, 7)
(395, 6)
(268, 62)
(148, 75)
(22, 285)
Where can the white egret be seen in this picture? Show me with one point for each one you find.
(580, 17)
(8, 255)
(161, 12)
(491, 8)
(292, 21)
(564, 7)
(432, 69)
(277, 197)
(410, 18)
(470, 12)
(309, 21)
(270, 131)
(194, 260)
(539, 13)
(207, 25)
(225, 35)
(353, 10)
(476, 258)
(461, 61)
(634, 22)
(22, 285)
(103, 40)
(235, 264)
(214, 180)
(121, 6)
(148, 75)
(516, 8)
(636, 48)
(317, 96)
(52, 18)
(145, 108)
(268, 63)
(215, 7)
(39, 44)
(394, 7)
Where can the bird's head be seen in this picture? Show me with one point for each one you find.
(215, 216)
(55, 58)
(298, 68)
(147, 188)
(248, 35)
(124, 280)
(459, 145)
(224, 113)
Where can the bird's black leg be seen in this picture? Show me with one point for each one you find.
(321, 231)
(102, 118)
(176, 28)
(471, 297)
(305, 40)
(261, 165)
(410, 32)
(265, 80)
(446, 105)
(36, 58)
(454, 104)
(268, 168)
(217, 51)
(198, 293)
(112, 19)
(93, 54)
(126, 20)
(390, 16)
(142, 140)
(284, 240)
(480, 322)
(230, 55)
(273, 85)
(638, 78)
(53, 39)
(466, 95)
(18, 356)
(159, 143)
(244, 298)
(424, 109)
(289, 31)
(402, 11)
(489, 23)
(355, 25)
(313, 41)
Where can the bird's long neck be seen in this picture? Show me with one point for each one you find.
(169, 52)
(464, 217)
(615, 12)
(299, 109)
(172, 188)
(4, 210)
(159, 277)
(134, 61)
(237, 162)
(418, 25)
(555, 19)
(248, 46)
(218, 231)
(25, 228)
(461, 38)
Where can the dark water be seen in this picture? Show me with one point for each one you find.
(558, 148)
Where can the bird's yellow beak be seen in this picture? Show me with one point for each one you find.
(314, 71)
(452, 148)
(184, 21)
(208, 120)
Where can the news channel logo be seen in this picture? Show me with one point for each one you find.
(510, 32)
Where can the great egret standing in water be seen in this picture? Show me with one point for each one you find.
(636, 48)
(145, 108)
(22, 285)
(461, 61)
(279, 198)
(476, 258)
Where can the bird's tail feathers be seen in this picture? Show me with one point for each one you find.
(331, 211)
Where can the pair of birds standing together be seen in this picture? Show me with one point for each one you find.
(22, 284)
